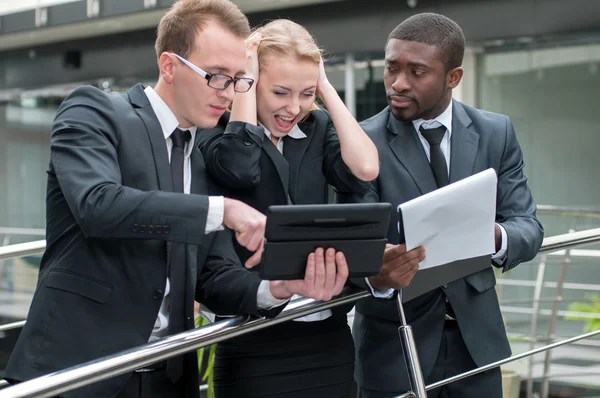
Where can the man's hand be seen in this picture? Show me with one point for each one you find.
(398, 268)
(249, 226)
(325, 277)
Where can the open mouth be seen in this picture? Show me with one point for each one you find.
(284, 124)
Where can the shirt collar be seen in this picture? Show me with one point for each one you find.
(294, 133)
(166, 118)
(445, 119)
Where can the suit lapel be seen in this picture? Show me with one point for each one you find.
(142, 107)
(281, 165)
(408, 149)
(294, 150)
(463, 144)
(199, 176)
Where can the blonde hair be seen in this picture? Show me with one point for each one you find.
(178, 28)
(285, 38)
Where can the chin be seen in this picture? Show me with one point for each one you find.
(208, 122)
(404, 115)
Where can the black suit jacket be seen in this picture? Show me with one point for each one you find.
(479, 140)
(110, 216)
(242, 159)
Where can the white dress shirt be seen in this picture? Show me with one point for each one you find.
(445, 119)
(168, 123)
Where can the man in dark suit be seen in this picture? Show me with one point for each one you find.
(427, 140)
(133, 235)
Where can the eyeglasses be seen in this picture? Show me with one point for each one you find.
(219, 81)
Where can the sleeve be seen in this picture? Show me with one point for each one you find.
(515, 208)
(216, 213)
(84, 158)
(225, 286)
(500, 255)
(232, 156)
(335, 170)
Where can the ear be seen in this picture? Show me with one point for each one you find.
(166, 66)
(453, 77)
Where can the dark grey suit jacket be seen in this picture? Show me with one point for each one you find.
(479, 140)
(110, 215)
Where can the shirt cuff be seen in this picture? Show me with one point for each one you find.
(264, 298)
(500, 255)
(216, 212)
(379, 293)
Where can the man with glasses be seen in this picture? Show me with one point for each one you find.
(135, 226)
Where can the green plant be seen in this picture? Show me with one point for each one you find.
(207, 376)
(592, 306)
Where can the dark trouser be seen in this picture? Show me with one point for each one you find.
(152, 384)
(453, 358)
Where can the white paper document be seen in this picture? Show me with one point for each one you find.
(454, 222)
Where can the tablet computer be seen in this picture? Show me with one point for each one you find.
(293, 232)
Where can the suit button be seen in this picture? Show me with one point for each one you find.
(247, 143)
(445, 286)
(143, 228)
(150, 229)
(166, 229)
(157, 295)
(134, 227)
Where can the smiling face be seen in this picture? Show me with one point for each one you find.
(417, 83)
(285, 92)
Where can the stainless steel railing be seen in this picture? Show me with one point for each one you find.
(22, 249)
(103, 368)
(584, 212)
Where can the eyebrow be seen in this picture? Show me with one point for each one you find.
(289, 89)
(418, 64)
(223, 70)
(411, 64)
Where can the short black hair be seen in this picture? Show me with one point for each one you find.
(436, 30)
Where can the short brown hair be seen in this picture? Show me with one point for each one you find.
(178, 28)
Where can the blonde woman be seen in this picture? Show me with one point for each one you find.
(278, 148)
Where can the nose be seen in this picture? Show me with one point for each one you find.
(401, 83)
(293, 107)
(227, 94)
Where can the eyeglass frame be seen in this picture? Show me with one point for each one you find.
(209, 76)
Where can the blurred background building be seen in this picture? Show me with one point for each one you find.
(536, 61)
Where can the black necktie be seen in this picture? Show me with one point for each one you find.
(177, 258)
(436, 156)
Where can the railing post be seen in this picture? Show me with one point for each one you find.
(415, 376)
(552, 324)
(537, 296)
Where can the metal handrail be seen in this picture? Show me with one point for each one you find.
(564, 241)
(589, 212)
(126, 361)
(510, 359)
(22, 249)
(22, 231)
(13, 325)
(109, 366)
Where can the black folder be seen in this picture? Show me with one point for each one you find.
(293, 232)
